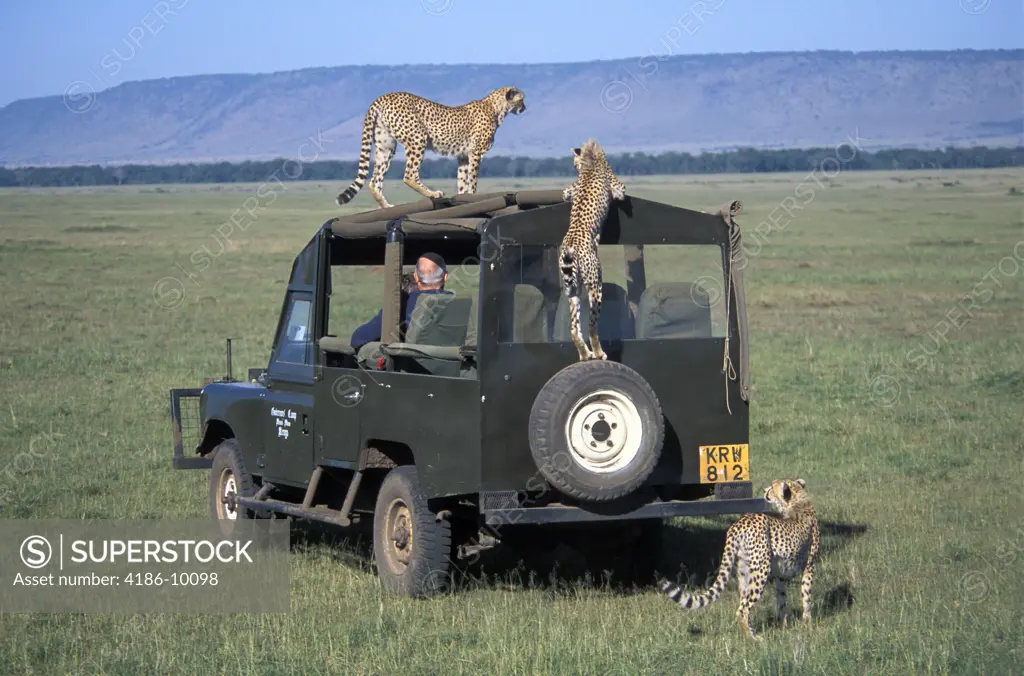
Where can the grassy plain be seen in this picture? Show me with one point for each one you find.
(912, 442)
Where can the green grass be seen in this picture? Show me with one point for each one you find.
(915, 463)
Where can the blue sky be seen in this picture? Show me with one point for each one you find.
(49, 44)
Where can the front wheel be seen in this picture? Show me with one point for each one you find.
(412, 549)
(229, 478)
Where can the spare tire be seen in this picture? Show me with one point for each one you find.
(596, 430)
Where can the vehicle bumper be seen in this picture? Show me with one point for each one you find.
(496, 513)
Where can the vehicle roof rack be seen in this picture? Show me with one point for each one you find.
(444, 209)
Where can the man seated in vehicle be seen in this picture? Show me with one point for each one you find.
(429, 277)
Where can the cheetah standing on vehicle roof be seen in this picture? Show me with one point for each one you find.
(466, 131)
(766, 547)
(591, 195)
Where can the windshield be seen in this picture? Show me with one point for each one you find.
(650, 292)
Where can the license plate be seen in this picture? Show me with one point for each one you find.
(721, 464)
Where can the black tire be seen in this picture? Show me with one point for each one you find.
(635, 404)
(411, 548)
(229, 470)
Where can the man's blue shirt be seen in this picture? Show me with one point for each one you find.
(371, 330)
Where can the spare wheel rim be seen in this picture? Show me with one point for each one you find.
(604, 432)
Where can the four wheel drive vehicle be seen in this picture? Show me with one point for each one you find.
(477, 422)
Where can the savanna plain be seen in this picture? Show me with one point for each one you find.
(886, 315)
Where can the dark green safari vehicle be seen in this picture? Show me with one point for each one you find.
(477, 423)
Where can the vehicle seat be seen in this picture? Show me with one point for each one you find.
(471, 321)
(437, 319)
(529, 315)
(615, 322)
(673, 310)
(368, 355)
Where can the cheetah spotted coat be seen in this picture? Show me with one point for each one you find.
(465, 131)
(591, 195)
(766, 547)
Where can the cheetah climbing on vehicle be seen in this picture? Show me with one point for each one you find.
(591, 196)
(763, 547)
(465, 131)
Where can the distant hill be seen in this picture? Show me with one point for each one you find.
(685, 103)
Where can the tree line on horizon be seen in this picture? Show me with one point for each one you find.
(745, 160)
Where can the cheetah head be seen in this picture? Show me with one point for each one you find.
(587, 156)
(784, 495)
(508, 100)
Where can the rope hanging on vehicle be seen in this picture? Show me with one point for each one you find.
(726, 212)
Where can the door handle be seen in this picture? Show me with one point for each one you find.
(305, 429)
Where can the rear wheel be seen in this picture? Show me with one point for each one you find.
(412, 549)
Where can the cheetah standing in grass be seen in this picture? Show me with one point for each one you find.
(766, 547)
(591, 196)
(465, 131)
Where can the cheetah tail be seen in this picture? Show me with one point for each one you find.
(364, 158)
(694, 601)
(568, 263)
